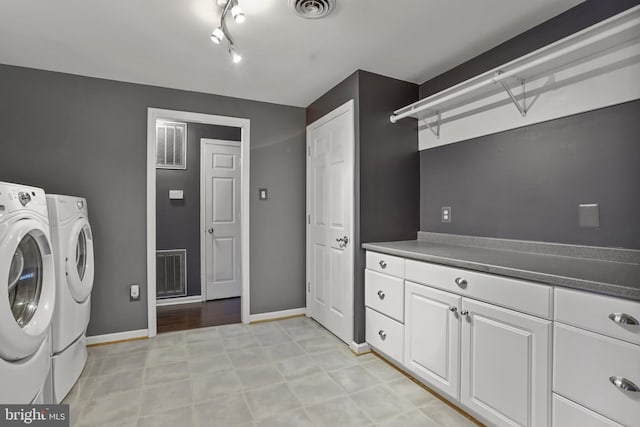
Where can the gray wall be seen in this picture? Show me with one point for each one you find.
(527, 183)
(386, 167)
(86, 136)
(178, 221)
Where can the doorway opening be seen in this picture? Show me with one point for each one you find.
(197, 220)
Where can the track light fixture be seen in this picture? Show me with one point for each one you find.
(222, 31)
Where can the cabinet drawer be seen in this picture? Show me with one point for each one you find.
(595, 312)
(385, 334)
(385, 294)
(387, 264)
(583, 365)
(520, 295)
(567, 413)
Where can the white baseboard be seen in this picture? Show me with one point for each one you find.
(118, 336)
(178, 300)
(277, 314)
(361, 348)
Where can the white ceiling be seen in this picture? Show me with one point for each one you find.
(287, 59)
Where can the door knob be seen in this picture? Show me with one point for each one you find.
(210, 230)
(343, 241)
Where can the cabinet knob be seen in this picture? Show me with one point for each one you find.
(453, 309)
(210, 230)
(383, 264)
(383, 334)
(381, 295)
(465, 312)
(623, 319)
(461, 282)
(624, 384)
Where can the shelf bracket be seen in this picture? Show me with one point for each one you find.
(434, 130)
(522, 108)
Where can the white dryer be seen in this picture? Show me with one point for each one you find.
(73, 253)
(26, 310)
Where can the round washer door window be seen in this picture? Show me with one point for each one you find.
(81, 254)
(25, 280)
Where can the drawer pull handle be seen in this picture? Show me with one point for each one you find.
(381, 295)
(383, 334)
(624, 384)
(623, 319)
(465, 312)
(461, 282)
(453, 309)
(383, 264)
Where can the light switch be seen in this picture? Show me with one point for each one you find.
(176, 194)
(262, 194)
(589, 215)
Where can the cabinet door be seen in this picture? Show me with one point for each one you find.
(505, 365)
(432, 337)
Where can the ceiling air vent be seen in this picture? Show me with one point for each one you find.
(312, 9)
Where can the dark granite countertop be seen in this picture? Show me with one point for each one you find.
(620, 279)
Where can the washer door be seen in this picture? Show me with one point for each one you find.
(26, 307)
(79, 260)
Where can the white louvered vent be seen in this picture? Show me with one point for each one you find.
(171, 273)
(171, 145)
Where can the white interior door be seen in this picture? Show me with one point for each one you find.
(330, 196)
(221, 172)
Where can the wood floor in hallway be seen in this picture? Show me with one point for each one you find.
(182, 317)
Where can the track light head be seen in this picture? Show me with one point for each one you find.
(238, 14)
(217, 35)
(235, 56)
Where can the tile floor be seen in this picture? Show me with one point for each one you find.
(284, 373)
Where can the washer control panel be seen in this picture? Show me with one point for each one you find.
(15, 197)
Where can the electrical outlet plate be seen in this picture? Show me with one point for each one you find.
(446, 214)
(589, 215)
(134, 293)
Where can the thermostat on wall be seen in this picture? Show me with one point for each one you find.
(176, 194)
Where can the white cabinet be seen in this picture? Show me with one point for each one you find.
(385, 334)
(505, 365)
(432, 337)
(598, 372)
(384, 294)
(596, 359)
(384, 301)
(567, 413)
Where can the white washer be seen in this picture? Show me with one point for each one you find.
(26, 310)
(73, 253)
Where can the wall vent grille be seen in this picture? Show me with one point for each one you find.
(171, 273)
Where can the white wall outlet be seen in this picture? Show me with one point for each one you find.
(134, 293)
(446, 214)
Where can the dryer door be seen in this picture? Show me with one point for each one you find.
(26, 307)
(79, 260)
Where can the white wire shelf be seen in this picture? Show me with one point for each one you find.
(512, 76)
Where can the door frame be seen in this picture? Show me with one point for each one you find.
(348, 106)
(203, 208)
(153, 114)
